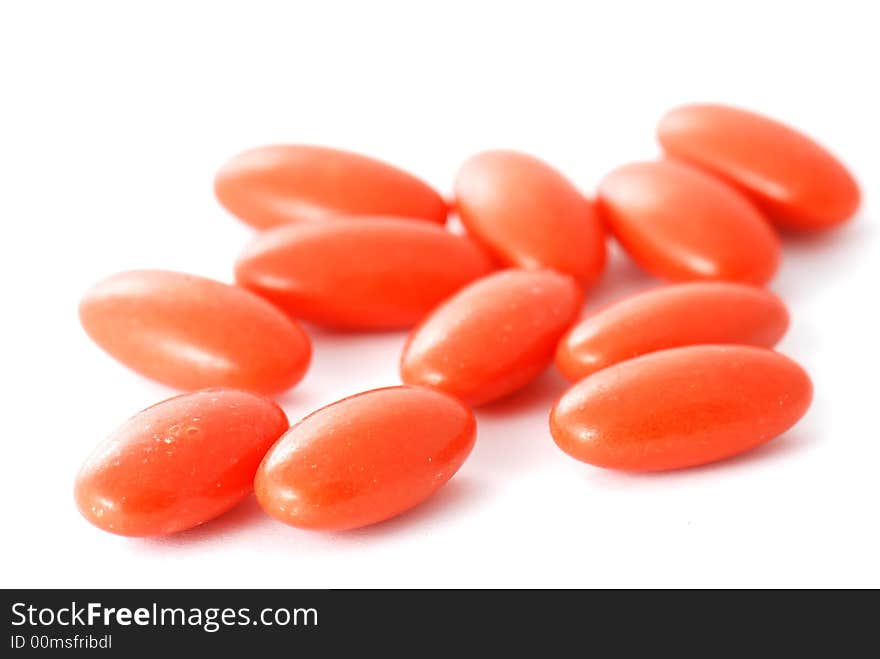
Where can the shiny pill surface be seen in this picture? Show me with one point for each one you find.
(680, 224)
(179, 463)
(365, 459)
(680, 407)
(492, 337)
(798, 183)
(361, 273)
(272, 185)
(529, 215)
(670, 317)
(191, 332)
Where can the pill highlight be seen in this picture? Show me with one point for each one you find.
(529, 215)
(681, 224)
(272, 185)
(680, 407)
(365, 459)
(363, 273)
(797, 182)
(492, 337)
(190, 332)
(670, 317)
(179, 463)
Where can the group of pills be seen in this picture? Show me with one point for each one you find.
(681, 375)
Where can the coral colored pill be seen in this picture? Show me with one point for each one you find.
(680, 407)
(273, 185)
(179, 463)
(492, 337)
(680, 224)
(670, 317)
(365, 459)
(190, 332)
(529, 215)
(364, 273)
(797, 182)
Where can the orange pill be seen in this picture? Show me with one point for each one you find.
(492, 337)
(798, 183)
(681, 224)
(179, 463)
(273, 185)
(190, 332)
(364, 273)
(680, 407)
(365, 458)
(529, 215)
(670, 317)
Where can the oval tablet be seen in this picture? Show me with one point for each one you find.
(273, 185)
(529, 215)
(679, 224)
(364, 273)
(179, 463)
(798, 183)
(492, 337)
(670, 317)
(365, 458)
(681, 407)
(190, 332)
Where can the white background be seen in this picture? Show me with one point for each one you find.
(113, 119)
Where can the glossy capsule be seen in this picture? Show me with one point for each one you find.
(529, 215)
(492, 337)
(179, 463)
(363, 273)
(670, 317)
(680, 224)
(272, 185)
(797, 182)
(190, 332)
(680, 407)
(365, 458)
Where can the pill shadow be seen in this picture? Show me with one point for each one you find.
(776, 451)
(355, 355)
(622, 277)
(450, 502)
(331, 335)
(539, 394)
(340, 359)
(812, 261)
(245, 515)
(513, 434)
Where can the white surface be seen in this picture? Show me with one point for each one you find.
(114, 118)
